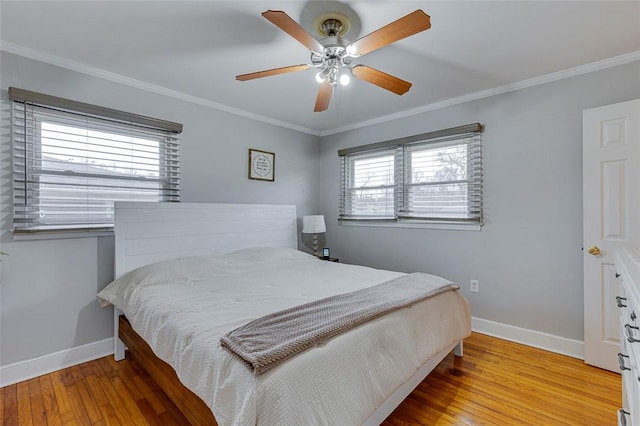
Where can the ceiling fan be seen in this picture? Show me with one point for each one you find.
(333, 55)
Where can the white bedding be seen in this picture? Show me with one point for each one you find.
(224, 292)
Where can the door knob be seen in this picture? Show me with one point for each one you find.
(594, 250)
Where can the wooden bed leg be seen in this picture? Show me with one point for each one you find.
(118, 345)
(458, 349)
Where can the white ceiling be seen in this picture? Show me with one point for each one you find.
(194, 50)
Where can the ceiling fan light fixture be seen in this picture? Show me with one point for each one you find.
(334, 74)
(333, 55)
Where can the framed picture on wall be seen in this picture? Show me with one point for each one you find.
(262, 165)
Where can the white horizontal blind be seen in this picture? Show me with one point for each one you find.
(443, 179)
(69, 168)
(368, 185)
(432, 177)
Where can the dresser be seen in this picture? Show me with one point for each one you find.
(627, 264)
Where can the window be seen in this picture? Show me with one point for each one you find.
(430, 178)
(71, 161)
(370, 187)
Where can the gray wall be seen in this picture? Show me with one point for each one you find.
(48, 288)
(528, 256)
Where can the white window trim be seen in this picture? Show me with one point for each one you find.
(448, 226)
(61, 235)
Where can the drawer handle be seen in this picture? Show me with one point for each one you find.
(621, 358)
(617, 275)
(630, 337)
(622, 414)
(633, 316)
(619, 301)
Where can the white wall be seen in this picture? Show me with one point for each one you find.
(528, 256)
(48, 288)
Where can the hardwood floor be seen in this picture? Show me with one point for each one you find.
(504, 383)
(495, 383)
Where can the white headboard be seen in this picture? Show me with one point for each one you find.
(151, 232)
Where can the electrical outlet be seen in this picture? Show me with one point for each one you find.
(474, 286)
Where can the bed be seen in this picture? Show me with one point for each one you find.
(240, 262)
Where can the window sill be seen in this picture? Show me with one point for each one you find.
(414, 224)
(60, 235)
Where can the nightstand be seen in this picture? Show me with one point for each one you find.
(331, 259)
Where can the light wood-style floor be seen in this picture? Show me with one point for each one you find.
(495, 383)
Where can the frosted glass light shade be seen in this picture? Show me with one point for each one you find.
(313, 224)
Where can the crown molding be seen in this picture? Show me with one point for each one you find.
(138, 84)
(118, 78)
(536, 81)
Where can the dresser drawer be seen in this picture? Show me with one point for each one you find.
(629, 371)
(628, 267)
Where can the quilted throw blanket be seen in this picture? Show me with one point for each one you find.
(268, 341)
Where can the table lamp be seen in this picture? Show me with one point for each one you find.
(313, 224)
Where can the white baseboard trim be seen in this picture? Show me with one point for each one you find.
(30, 368)
(537, 339)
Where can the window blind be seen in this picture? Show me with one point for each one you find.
(432, 177)
(443, 179)
(69, 167)
(368, 185)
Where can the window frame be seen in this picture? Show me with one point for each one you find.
(468, 135)
(30, 110)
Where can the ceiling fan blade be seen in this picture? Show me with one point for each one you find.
(291, 27)
(324, 96)
(274, 71)
(381, 79)
(409, 25)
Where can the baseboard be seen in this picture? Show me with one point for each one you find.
(537, 339)
(28, 369)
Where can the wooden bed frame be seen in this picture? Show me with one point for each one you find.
(191, 406)
(151, 232)
(197, 411)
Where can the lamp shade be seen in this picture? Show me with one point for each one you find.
(313, 224)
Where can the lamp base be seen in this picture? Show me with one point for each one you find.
(315, 245)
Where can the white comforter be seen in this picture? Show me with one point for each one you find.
(182, 308)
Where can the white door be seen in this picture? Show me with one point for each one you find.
(611, 220)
